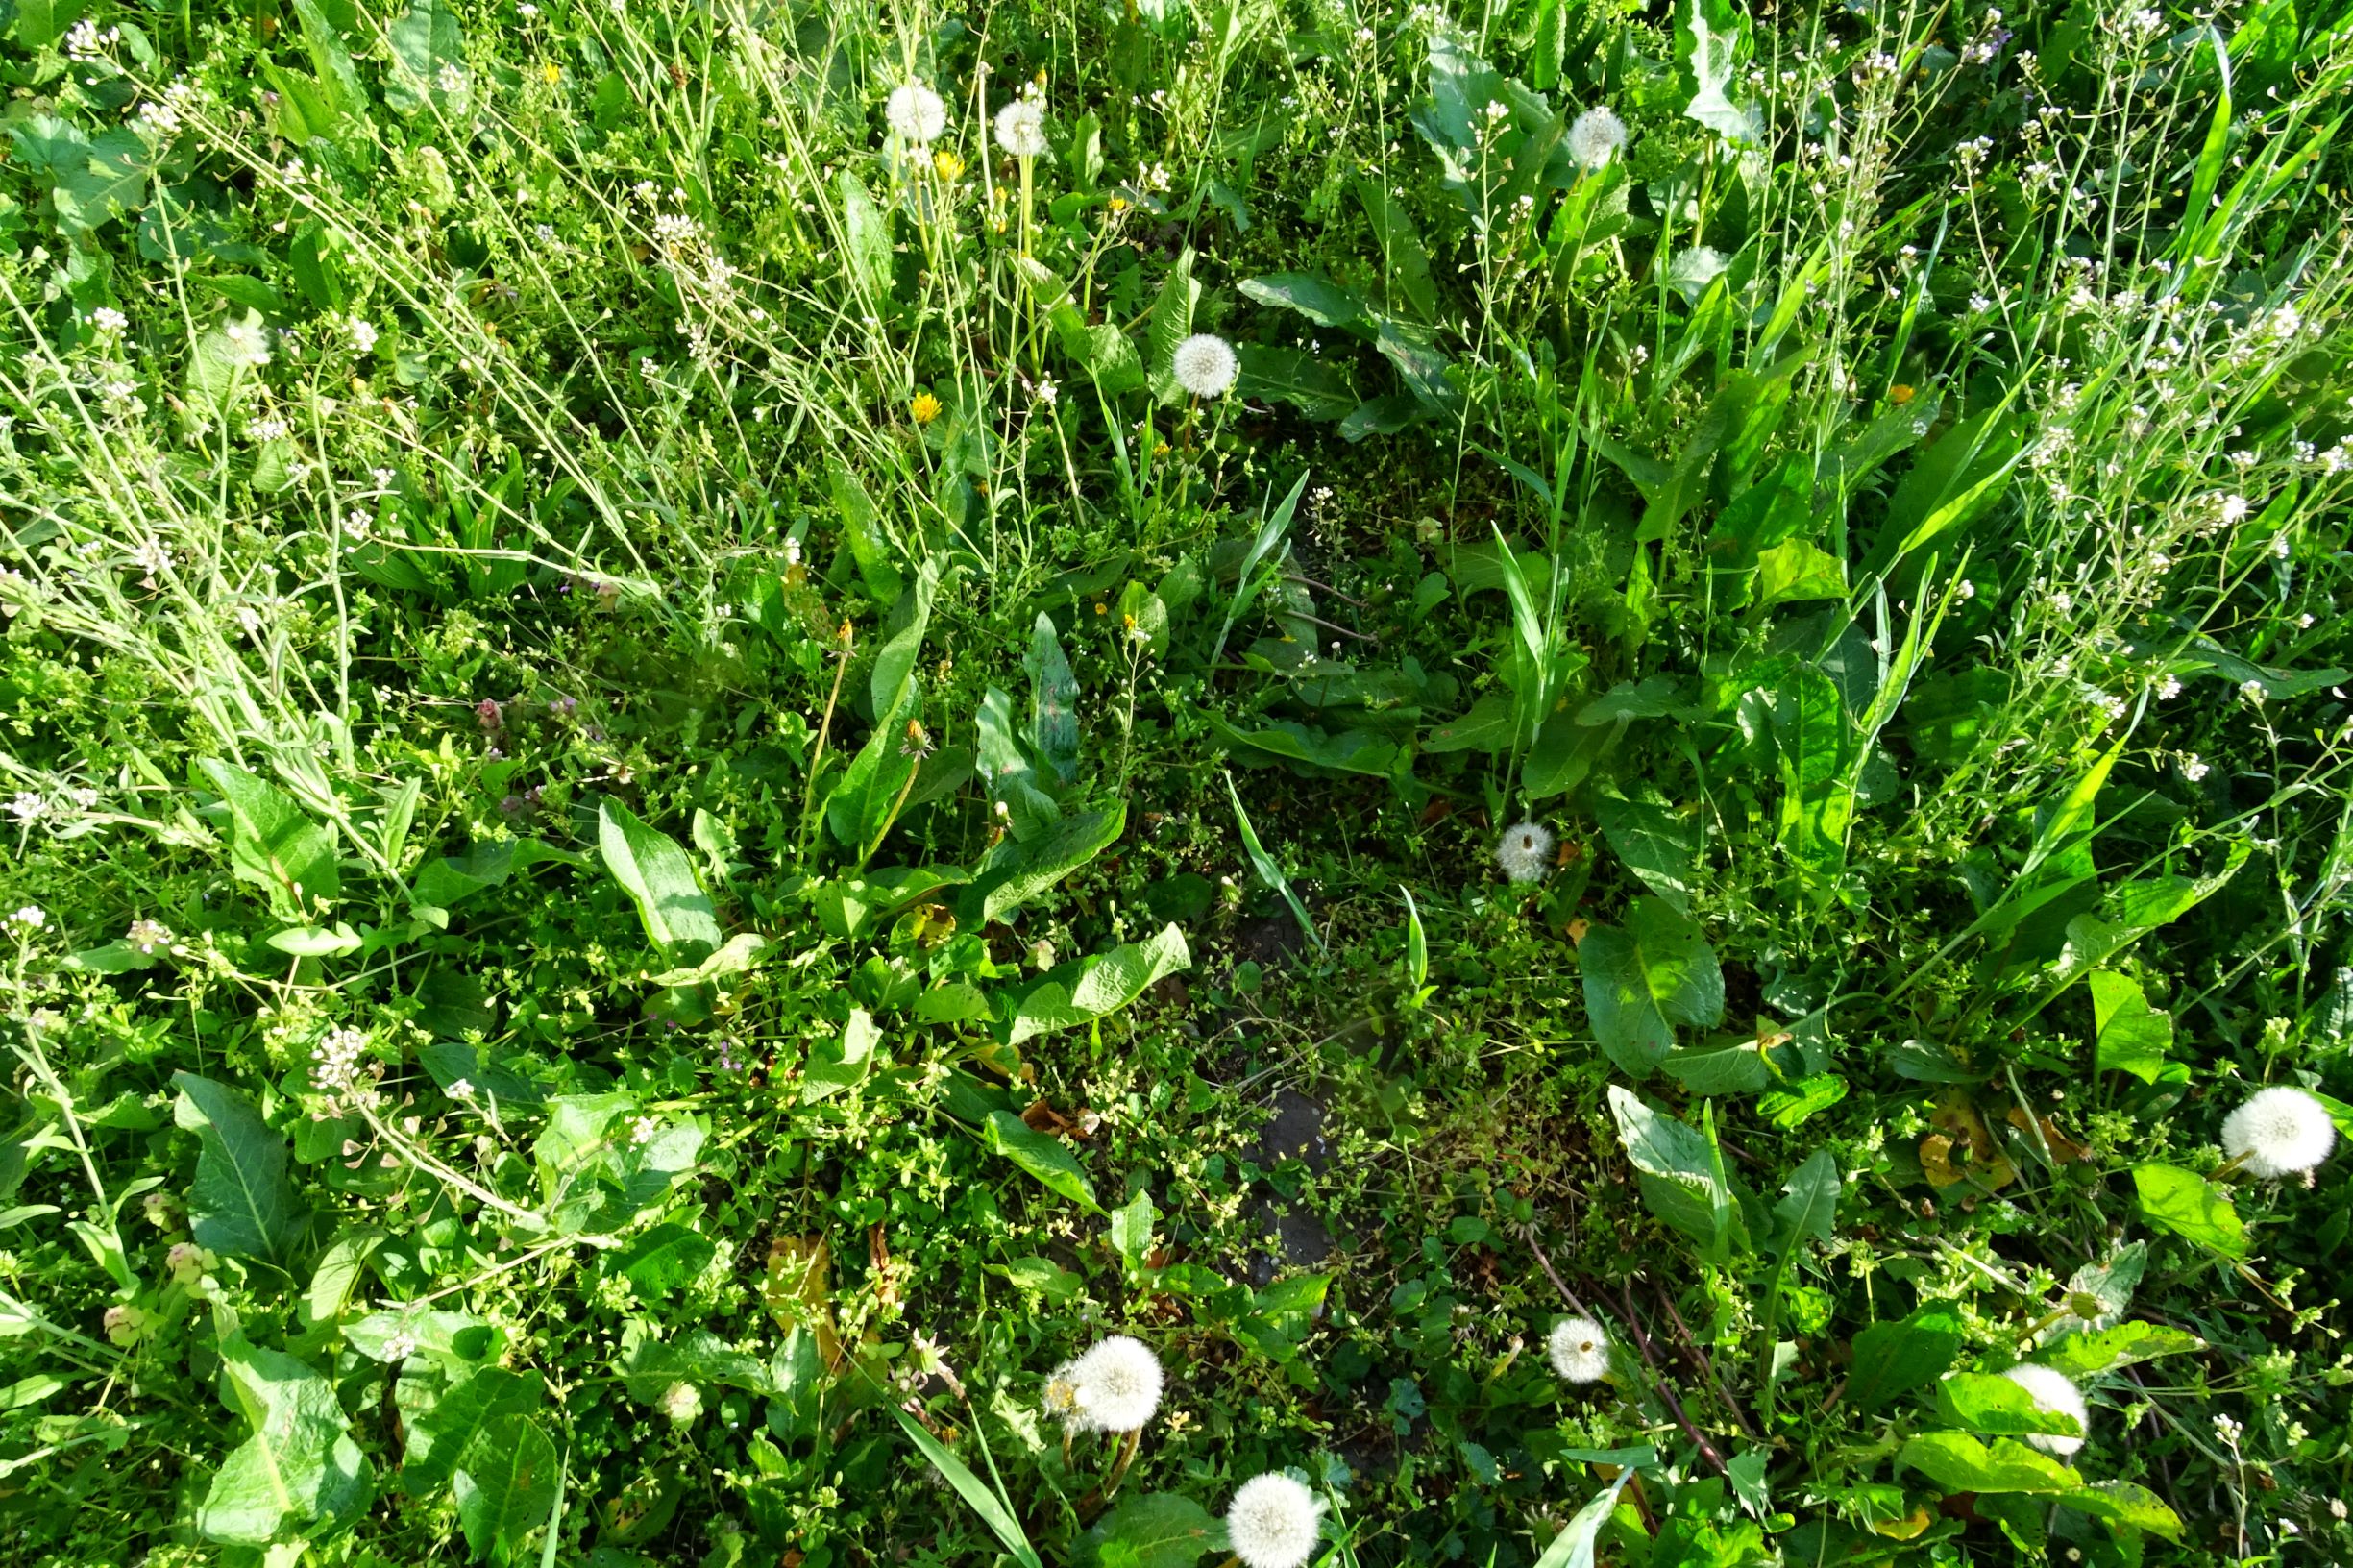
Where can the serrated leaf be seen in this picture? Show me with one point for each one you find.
(440, 1435)
(1958, 1462)
(2085, 1354)
(1053, 703)
(2123, 1503)
(1159, 1530)
(240, 1203)
(273, 845)
(661, 1260)
(2189, 1206)
(1319, 299)
(300, 1468)
(1677, 1172)
(1172, 318)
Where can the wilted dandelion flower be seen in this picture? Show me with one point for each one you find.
(1579, 1350)
(1021, 127)
(1204, 364)
(1596, 136)
(915, 113)
(2055, 1394)
(2280, 1132)
(1524, 851)
(1272, 1522)
(1061, 1398)
(1117, 1386)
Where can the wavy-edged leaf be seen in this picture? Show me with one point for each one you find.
(240, 1203)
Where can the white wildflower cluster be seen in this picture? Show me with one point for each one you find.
(362, 334)
(86, 41)
(336, 1064)
(2279, 1132)
(915, 113)
(108, 321)
(676, 233)
(1115, 1386)
(31, 917)
(1524, 851)
(1578, 1349)
(1020, 124)
(1204, 365)
(268, 427)
(29, 806)
(149, 935)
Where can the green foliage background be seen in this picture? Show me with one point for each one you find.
(675, 815)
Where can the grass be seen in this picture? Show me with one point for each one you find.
(682, 808)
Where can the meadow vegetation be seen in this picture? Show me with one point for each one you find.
(1151, 783)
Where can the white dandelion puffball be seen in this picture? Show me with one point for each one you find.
(1272, 1522)
(1021, 127)
(2281, 1131)
(2054, 1395)
(1596, 138)
(1118, 1384)
(915, 113)
(1524, 851)
(1579, 1350)
(1204, 364)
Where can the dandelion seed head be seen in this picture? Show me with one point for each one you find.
(1273, 1522)
(1021, 127)
(1578, 1349)
(1117, 1385)
(1204, 365)
(2055, 1394)
(1595, 138)
(915, 113)
(2279, 1132)
(1524, 851)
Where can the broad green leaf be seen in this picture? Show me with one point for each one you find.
(1796, 570)
(2123, 1503)
(339, 81)
(1053, 701)
(1657, 845)
(2129, 1036)
(1983, 1401)
(1893, 1358)
(507, 1485)
(1319, 299)
(1643, 980)
(91, 180)
(273, 845)
(1735, 1067)
(1131, 1231)
(1809, 1210)
(440, 1435)
(1791, 1106)
(863, 805)
(1309, 383)
(1958, 1462)
(841, 1062)
(316, 941)
(1042, 1155)
(742, 952)
(1814, 744)
(299, 1468)
(661, 1260)
(1576, 1545)
(1042, 1276)
(426, 43)
(1172, 321)
(1159, 1530)
(870, 542)
(336, 1279)
(1953, 480)
(1491, 724)
(1711, 42)
(1676, 1171)
(1015, 873)
(2189, 1206)
(452, 878)
(1348, 751)
(660, 880)
(866, 239)
(240, 1203)
(2084, 1354)
(1089, 987)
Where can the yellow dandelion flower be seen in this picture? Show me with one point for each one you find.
(926, 407)
(947, 165)
(551, 73)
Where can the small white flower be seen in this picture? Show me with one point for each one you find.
(1579, 1350)
(2280, 1132)
(915, 113)
(1117, 1385)
(1969, 589)
(1204, 365)
(31, 917)
(2233, 508)
(2055, 1394)
(2253, 691)
(29, 806)
(400, 1346)
(643, 1129)
(363, 336)
(462, 1089)
(1596, 138)
(1021, 127)
(2194, 767)
(148, 935)
(108, 320)
(1524, 851)
(2171, 690)
(1273, 1522)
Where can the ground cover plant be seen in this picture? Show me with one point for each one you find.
(1163, 783)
